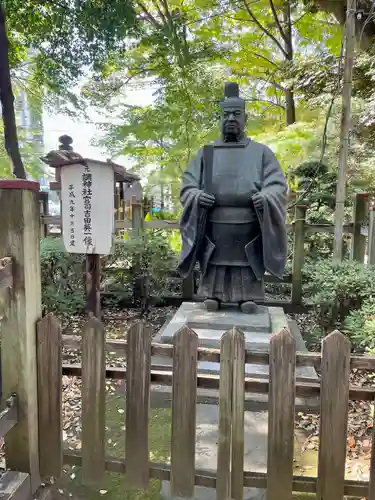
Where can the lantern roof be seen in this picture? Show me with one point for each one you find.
(60, 159)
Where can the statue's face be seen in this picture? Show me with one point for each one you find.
(233, 123)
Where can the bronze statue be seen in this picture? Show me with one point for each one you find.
(233, 221)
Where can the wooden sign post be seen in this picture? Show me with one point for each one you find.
(87, 204)
(87, 190)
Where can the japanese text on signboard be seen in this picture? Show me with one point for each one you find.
(72, 215)
(87, 204)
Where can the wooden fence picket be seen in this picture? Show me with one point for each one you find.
(223, 481)
(184, 399)
(238, 403)
(49, 396)
(281, 403)
(138, 376)
(334, 403)
(371, 487)
(93, 402)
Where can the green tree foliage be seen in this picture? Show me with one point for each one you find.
(51, 44)
(188, 53)
(66, 39)
(284, 53)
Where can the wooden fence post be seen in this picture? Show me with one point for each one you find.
(20, 240)
(117, 203)
(281, 403)
(358, 244)
(137, 220)
(138, 379)
(93, 274)
(238, 414)
(184, 401)
(371, 486)
(93, 402)
(140, 285)
(44, 211)
(224, 449)
(50, 396)
(371, 235)
(334, 406)
(298, 253)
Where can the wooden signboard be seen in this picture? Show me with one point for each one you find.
(87, 207)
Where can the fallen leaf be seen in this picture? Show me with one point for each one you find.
(351, 442)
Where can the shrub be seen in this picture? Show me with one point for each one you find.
(359, 325)
(155, 257)
(333, 290)
(63, 290)
(63, 274)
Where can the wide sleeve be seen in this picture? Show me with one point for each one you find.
(190, 217)
(272, 214)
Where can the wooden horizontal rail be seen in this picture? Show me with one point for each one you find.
(268, 278)
(207, 478)
(327, 228)
(211, 381)
(15, 485)
(213, 355)
(176, 301)
(166, 224)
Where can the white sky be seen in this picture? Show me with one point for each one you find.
(56, 124)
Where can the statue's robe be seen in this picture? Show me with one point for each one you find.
(234, 243)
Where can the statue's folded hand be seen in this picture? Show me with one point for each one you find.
(206, 200)
(257, 200)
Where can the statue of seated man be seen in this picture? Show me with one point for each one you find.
(233, 220)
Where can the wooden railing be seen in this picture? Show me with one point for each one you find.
(230, 386)
(131, 218)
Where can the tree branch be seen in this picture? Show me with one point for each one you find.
(149, 16)
(160, 12)
(303, 15)
(7, 104)
(266, 59)
(270, 103)
(262, 28)
(276, 17)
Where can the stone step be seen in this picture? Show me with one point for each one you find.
(195, 316)
(303, 373)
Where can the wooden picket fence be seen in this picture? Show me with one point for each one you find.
(334, 363)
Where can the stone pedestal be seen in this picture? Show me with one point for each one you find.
(209, 327)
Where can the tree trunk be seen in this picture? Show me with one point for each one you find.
(290, 107)
(7, 103)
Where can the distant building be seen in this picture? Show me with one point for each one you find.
(29, 119)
